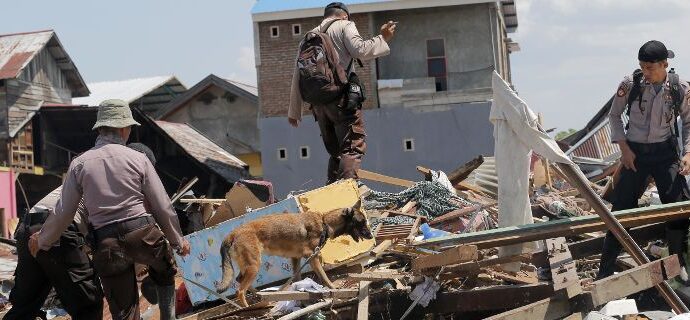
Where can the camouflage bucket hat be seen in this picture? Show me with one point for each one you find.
(114, 113)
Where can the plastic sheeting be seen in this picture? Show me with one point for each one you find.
(516, 135)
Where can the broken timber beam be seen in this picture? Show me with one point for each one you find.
(451, 256)
(602, 291)
(363, 304)
(462, 172)
(307, 310)
(202, 200)
(562, 265)
(303, 295)
(491, 298)
(563, 227)
(373, 176)
(633, 280)
(377, 276)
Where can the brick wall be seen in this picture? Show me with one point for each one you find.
(277, 57)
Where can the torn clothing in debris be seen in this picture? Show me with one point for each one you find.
(517, 134)
(432, 198)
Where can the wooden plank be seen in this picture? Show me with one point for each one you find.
(300, 296)
(462, 269)
(373, 176)
(546, 309)
(414, 231)
(390, 236)
(219, 201)
(381, 247)
(307, 310)
(518, 278)
(462, 172)
(455, 214)
(563, 270)
(377, 276)
(602, 291)
(448, 257)
(408, 207)
(564, 227)
(426, 172)
(634, 280)
(491, 298)
(363, 305)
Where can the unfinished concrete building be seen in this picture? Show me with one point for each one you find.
(428, 101)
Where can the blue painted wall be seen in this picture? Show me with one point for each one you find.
(444, 138)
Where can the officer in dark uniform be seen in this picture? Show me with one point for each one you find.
(65, 266)
(653, 99)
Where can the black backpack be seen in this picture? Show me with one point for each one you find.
(321, 78)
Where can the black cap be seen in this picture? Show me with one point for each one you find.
(338, 5)
(654, 51)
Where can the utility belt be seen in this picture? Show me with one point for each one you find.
(653, 148)
(33, 221)
(34, 218)
(121, 228)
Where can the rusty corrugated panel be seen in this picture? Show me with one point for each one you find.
(14, 65)
(17, 50)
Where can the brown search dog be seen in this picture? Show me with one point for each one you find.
(287, 235)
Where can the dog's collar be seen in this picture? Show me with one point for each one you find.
(324, 235)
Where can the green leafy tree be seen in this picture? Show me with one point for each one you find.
(564, 134)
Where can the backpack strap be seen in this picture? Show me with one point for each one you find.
(328, 25)
(676, 96)
(635, 93)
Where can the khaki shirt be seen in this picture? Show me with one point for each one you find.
(114, 181)
(652, 122)
(49, 202)
(349, 45)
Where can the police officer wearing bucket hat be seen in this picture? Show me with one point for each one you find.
(115, 182)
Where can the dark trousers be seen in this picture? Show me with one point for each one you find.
(119, 246)
(659, 161)
(344, 138)
(66, 267)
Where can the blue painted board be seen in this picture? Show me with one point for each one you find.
(203, 264)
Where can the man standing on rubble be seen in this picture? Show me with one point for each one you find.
(115, 182)
(652, 99)
(341, 123)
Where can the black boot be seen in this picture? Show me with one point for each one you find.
(677, 245)
(166, 302)
(609, 254)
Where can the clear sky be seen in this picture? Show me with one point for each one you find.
(574, 52)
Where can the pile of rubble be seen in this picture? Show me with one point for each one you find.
(435, 253)
(436, 256)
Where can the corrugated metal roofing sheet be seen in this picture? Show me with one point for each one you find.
(18, 49)
(128, 90)
(203, 149)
